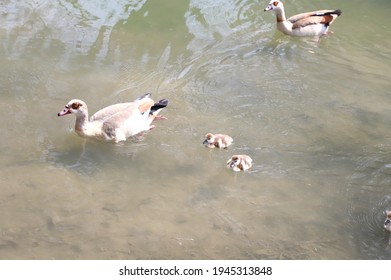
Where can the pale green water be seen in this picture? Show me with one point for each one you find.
(314, 116)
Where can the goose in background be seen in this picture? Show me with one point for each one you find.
(314, 23)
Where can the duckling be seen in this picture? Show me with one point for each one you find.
(387, 222)
(220, 141)
(239, 162)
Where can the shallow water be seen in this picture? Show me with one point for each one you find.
(313, 115)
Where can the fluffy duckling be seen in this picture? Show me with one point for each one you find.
(314, 23)
(239, 162)
(387, 222)
(220, 141)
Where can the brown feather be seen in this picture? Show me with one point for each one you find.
(312, 20)
(301, 16)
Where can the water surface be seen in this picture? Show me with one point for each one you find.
(313, 115)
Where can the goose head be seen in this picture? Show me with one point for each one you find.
(75, 106)
(274, 5)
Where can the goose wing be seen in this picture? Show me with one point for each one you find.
(110, 111)
(129, 121)
(311, 18)
(122, 108)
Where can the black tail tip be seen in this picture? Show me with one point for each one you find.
(338, 12)
(159, 105)
(162, 102)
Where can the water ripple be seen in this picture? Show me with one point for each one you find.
(367, 203)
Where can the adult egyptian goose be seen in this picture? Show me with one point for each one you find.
(116, 122)
(220, 141)
(314, 23)
(387, 222)
(239, 162)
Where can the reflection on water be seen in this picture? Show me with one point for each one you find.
(71, 27)
(312, 114)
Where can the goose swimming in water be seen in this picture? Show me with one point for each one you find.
(116, 122)
(314, 23)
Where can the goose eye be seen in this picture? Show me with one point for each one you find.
(275, 3)
(75, 106)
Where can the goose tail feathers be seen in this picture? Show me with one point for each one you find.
(155, 109)
(337, 12)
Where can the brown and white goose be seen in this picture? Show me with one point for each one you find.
(116, 122)
(314, 23)
(239, 162)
